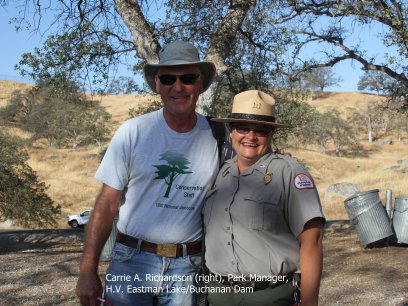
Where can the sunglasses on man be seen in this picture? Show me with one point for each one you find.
(170, 79)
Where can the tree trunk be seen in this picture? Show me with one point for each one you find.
(220, 46)
(147, 46)
(205, 104)
(370, 129)
(338, 151)
(222, 42)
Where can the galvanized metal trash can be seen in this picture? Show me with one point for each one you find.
(400, 219)
(110, 243)
(368, 215)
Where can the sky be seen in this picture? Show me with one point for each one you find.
(14, 44)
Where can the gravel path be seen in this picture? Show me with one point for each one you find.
(41, 268)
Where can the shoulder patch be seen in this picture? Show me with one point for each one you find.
(302, 181)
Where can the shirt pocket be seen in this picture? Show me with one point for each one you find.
(259, 211)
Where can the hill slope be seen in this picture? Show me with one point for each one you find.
(7, 88)
(70, 173)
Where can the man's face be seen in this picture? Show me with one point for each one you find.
(250, 141)
(179, 98)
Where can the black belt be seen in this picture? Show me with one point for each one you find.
(165, 250)
(256, 285)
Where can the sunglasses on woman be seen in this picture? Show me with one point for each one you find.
(243, 130)
(170, 79)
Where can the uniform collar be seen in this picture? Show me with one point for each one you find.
(261, 165)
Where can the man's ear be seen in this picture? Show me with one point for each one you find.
(201, 84)
(156, 81)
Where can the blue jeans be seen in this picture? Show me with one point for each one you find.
(140, 278)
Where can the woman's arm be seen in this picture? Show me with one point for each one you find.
(311, 261)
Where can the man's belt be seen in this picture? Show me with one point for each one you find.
(165, 250)
(260, 285)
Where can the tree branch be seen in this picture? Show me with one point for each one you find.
(351, 54)
(144, 39)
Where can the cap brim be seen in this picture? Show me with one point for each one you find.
(229, 120)
(206, 68)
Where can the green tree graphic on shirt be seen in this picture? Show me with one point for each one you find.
(177, 164)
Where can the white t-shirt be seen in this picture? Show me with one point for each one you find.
(164, 176)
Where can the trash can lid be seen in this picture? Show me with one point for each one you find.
(360, 194)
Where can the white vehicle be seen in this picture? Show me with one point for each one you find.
(79, 220)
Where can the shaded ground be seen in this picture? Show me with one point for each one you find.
(353, 275)
(41, 268)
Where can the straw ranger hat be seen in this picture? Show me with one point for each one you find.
(253, 106)
(179, 53)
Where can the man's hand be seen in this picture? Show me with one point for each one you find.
(88, 289)
(98, 229)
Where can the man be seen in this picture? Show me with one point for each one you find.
(263, 218)
(156, 172)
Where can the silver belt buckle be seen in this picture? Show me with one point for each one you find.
(167, 250)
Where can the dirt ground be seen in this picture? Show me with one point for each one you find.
(41, 268)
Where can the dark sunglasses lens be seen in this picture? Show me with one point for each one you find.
(167, 79)
(170, 79)
(262, 132)
(243, 130)
(188, 79)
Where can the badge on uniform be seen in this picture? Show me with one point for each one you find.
(267, 178)
(303, 181)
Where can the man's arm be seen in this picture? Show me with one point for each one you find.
(311, 261)
(98, 229)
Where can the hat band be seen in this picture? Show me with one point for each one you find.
(252, 117)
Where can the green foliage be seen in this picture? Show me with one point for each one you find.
(376, 81)
(153, 103)
(330, 127)
(90, 38)
(267, 45)
(381, 83)
(320, 78)
(123, 85)
(84, 49)
(292, 109)
(58, 112)
(329, 27)
(400, 124)
(97, 126)
(11, 113)
(23, 198)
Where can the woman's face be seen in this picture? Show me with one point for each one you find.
(250, 142)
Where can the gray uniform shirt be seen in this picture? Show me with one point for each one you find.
(252, 220)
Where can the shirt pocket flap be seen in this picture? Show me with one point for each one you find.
(259, 198)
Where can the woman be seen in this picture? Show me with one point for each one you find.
(263, 218)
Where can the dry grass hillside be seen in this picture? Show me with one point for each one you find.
(118, 105)
(69, 173)
(344, 102)
(7, 88)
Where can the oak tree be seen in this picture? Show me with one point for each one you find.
(23, 198)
